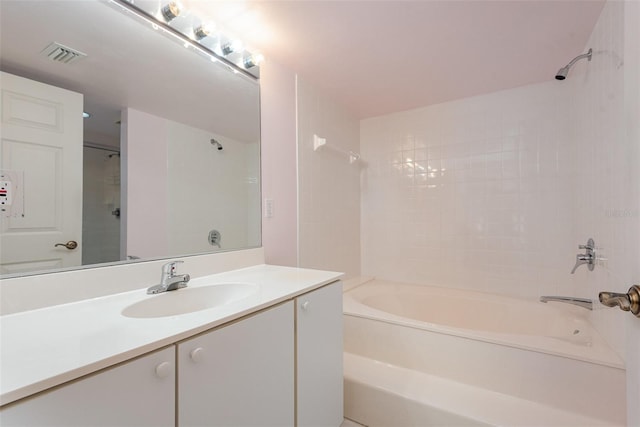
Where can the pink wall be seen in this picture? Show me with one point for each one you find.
(279, 164)
(315, 196)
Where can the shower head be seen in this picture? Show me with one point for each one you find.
(562, 72)
(216, 144)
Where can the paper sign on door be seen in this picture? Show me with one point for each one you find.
(11, 194)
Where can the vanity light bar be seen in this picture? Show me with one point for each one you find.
(200, 33)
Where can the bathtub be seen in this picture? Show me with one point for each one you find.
(428, 350)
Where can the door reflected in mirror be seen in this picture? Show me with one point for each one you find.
(140, 178)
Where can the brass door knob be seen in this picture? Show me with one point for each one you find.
(71, 244)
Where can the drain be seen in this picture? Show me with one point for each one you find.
(576, 331)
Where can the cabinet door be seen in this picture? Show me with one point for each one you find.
(319, 361)
(241, 374)
(137, 393)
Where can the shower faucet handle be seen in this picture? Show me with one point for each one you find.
(588, 257)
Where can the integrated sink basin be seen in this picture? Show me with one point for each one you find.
(189, 300)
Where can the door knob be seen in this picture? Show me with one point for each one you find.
(626, 302)
(71, 244)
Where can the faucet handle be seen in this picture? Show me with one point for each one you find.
(170, 267)
(588, 257)
(591, 245)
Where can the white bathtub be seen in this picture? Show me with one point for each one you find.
(544, 359)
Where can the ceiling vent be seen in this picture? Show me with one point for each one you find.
(60, 53)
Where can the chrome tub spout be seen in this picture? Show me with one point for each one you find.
(580, 302)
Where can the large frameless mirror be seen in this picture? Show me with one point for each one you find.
(166, 164)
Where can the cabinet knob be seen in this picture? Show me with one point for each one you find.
(163, 370)
(305, 305)
(197, 354)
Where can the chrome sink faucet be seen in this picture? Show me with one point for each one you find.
(169, 281)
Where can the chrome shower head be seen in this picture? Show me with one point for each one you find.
(216, 144)
(562, 72)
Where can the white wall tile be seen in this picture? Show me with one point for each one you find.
(474, 205)
(604, 169)
(515, 180)
(329, 186)
(228, 177)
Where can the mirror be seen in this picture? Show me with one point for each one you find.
(168, 162)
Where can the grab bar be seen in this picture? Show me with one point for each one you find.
(318, 143)
(580, 302)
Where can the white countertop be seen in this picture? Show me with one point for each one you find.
(49, 346)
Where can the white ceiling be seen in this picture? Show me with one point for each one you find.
(378, 57)
(128, 65)
(374, 57)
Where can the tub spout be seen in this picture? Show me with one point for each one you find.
(580, 302)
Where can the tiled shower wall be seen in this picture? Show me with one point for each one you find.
(475, 193)
(495, 192)
(606, 170)
(230, 179)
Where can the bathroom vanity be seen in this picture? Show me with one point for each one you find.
(272, 356)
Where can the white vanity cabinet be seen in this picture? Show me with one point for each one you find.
(279, 366)
(240, 374)
(137, 393)
(319, 373)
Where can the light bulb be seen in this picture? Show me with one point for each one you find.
(204, 30)
(253, 60)
(233, 46)
(171, 10)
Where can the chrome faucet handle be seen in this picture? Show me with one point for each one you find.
(169, 268)
(590, 246)
(589, 257)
